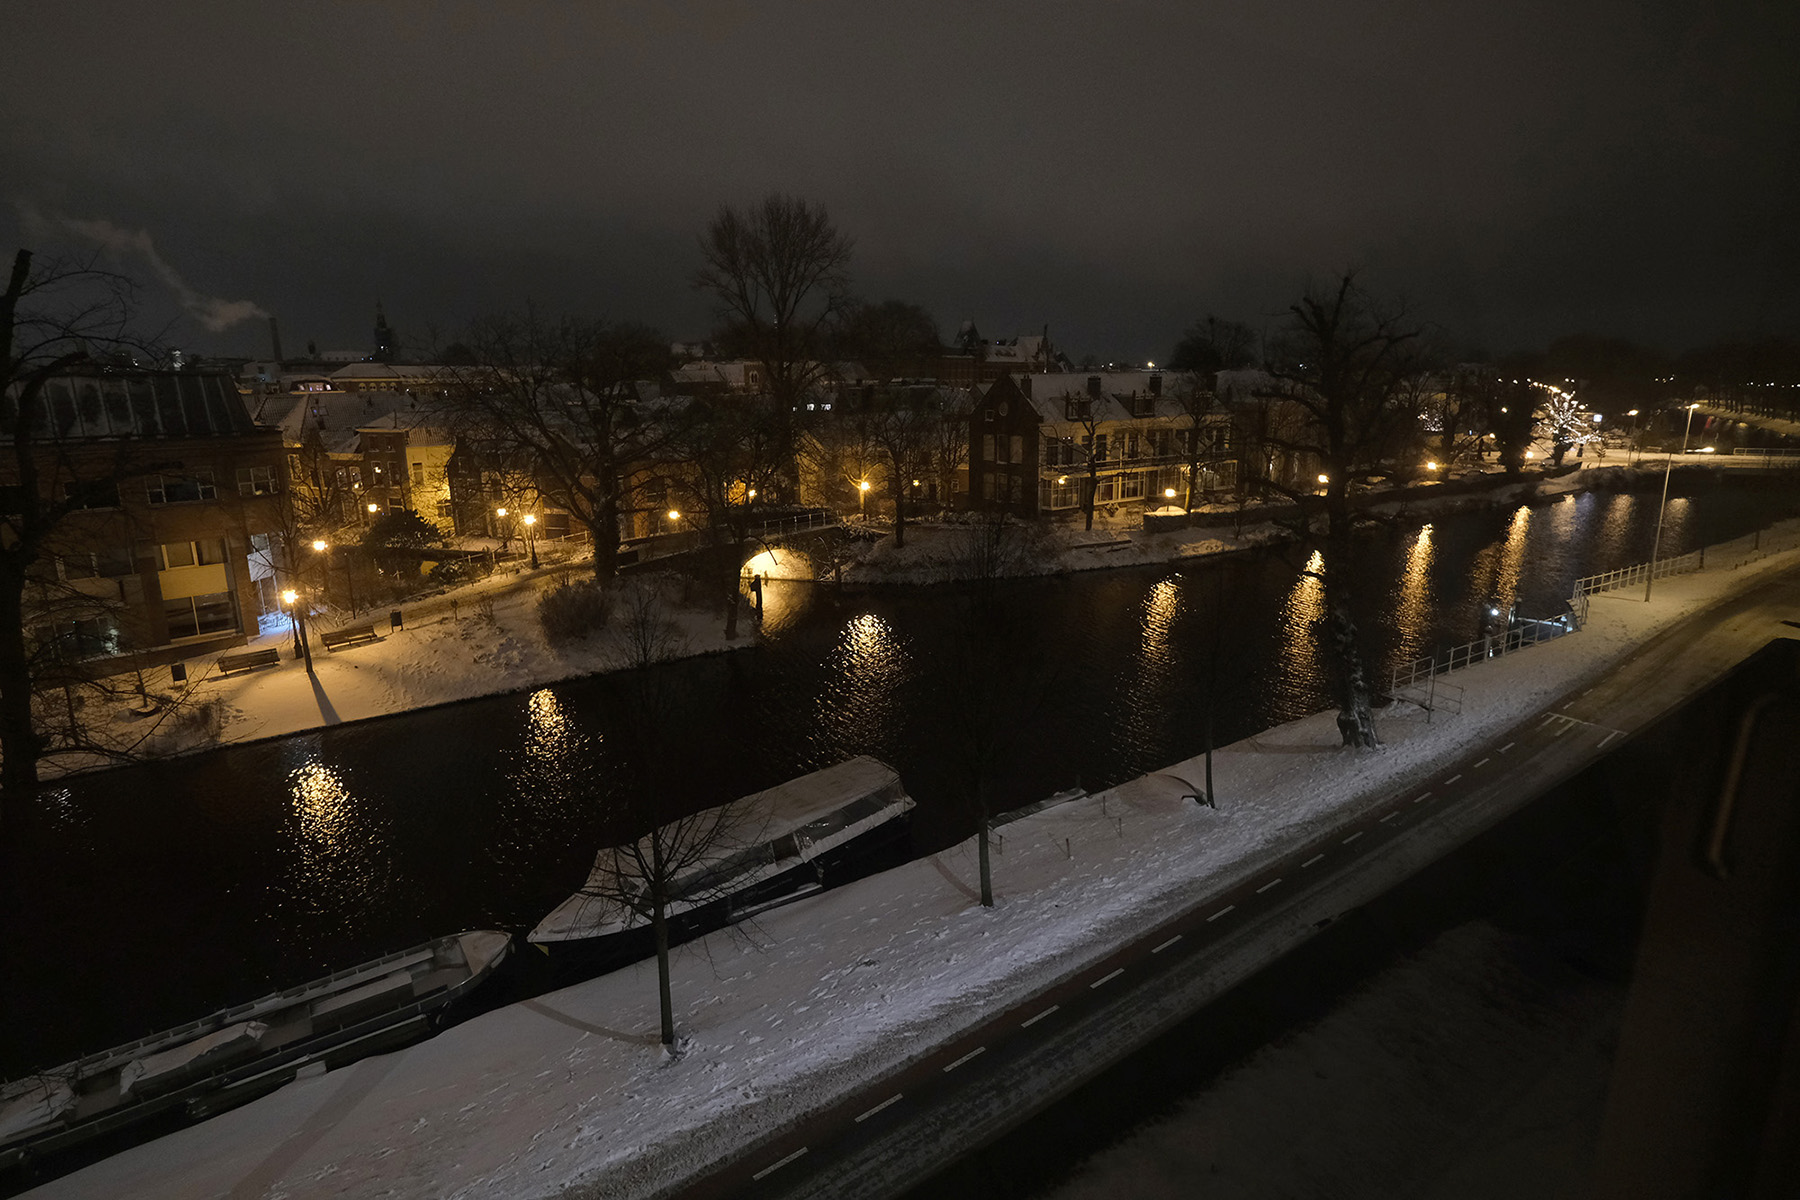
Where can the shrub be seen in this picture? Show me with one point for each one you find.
(572, 610)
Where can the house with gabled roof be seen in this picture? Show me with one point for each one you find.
(1042, 445)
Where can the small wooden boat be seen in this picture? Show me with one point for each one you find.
(243, 1052)
(791, 840)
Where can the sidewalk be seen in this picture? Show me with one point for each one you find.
(570, 1094)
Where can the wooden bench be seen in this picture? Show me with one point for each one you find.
(354, 635)
(248, 659)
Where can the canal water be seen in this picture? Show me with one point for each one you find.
(137, 898)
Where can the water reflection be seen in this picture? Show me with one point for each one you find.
(1303, 678)
(858, 705)
(1413, 609)
(340, 867)
(1161, 606)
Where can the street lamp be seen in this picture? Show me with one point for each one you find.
(531, 537)
(863, 488)
(1668, 468)
(505, 537)
(1633, 415)
(297, 622)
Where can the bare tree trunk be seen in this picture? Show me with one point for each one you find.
(604, 530)
(659, 922)
(1356, 723)
(18, 741)
(982, 854)
(899, 510)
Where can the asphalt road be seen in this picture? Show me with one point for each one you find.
(894, 1134)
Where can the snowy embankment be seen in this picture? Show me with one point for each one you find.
(480, 640)
(570, 1094)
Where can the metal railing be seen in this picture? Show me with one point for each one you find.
(1680, 564)
(1764, 452)
(1529, 633)
(817, 519)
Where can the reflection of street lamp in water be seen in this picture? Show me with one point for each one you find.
(531, 537)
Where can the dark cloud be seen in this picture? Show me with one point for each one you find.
(1112, 170)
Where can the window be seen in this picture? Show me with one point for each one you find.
(987, 449)
(1078, 408)
(99, 493)
(192, 616)
(1018, 449)
(97, 564)
(1018, 489)
(418, 474)
(256, 481)
(987, 486)
(182, 489)
(204, 553)
(1131, 487)
(1100, 447)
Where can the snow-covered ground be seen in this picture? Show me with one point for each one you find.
(827, 995)
(478, 640)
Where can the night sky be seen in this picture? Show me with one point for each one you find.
(1517, 171)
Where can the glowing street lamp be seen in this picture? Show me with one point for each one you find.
(1668, 468)
(531, 537)
(297, 622)
(863, 496)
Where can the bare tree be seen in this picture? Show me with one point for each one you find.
(52, 319)
(778, 270)
(678, 864)
(1345, 364)
(732, 450)
(558, 398)
(891, 339)
(900, 425)
(950, 440)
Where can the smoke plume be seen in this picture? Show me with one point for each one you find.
(214, 314)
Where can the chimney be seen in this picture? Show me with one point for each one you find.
(275, 340)
(1094, 386)
(1156, 385)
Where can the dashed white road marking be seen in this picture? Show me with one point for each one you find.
(1452, 779)
(1034, 1020)
(1220, 913)
(1353, 837)
(1564, 728)
(1422, 798)
(1388, 818)
(774, 1167)
(1165, 945)
(965, 1058)
(1609, 737)
(1107, 978)
(1484, 762)
(1265, 887)
(1507, 747)
(1309, 862)
(893, 1099)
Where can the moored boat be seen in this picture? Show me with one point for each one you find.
(788, 841)
(239, 1053)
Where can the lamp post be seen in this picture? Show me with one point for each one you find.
(863, 490)
(320, 546)
(1633, 415)
(1686, 425)
(531, 537)
(297, 621)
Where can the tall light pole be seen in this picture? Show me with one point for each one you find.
(1686, 425)
(531, 537)
(297, 621)
(1632, 456)
(863, 488)
(320, 546)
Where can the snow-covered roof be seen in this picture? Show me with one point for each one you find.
(1120, 394)
(331, 415)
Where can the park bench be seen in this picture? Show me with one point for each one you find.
(248, 659)
(352, 635)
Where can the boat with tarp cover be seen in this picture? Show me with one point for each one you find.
(248, 1050)
(777, 845)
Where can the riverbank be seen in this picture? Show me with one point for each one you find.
(485, 639)
(569, 1094)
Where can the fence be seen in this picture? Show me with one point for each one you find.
(1420, 672)
(818, 518)
(1764, 452)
